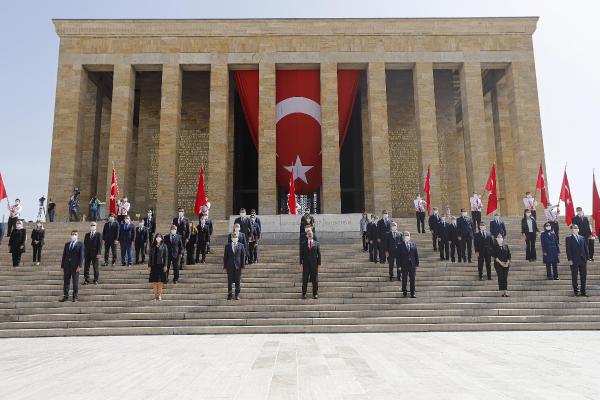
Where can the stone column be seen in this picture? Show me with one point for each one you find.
(366, 146)
(528, 147)
(380, 144)
(170, 120)
(218, 168)
(330, 140)
(68, 120)
(474, 126)
(121, 128)
(267, 185)
(425, 117)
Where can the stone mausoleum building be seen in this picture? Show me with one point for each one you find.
(157, 99)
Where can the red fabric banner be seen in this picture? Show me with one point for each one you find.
(541, 184)
(427, 189)
(291, 201)
(595, 205)
(200, 193)
(3, 194)
(298, 129)
(565, 195)
(492, 189)
(246, 83)
(347, 87)
(114, 193)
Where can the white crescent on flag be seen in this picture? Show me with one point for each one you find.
(301, 105)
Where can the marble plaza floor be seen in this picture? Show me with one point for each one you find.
(459, 366)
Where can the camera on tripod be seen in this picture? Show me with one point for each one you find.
(42, 200)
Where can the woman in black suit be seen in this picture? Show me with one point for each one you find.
(37, 242)
(529, 230)
(502, 264)
(190, 246)
(157, 264)
(16, 243)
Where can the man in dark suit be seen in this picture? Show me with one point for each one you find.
(244, 221)
(465, 230)
(434, 220)
(203, 240)
(93, 250)
(209, 223)
(183, 229)
(253, 239)
(233, 262)
(392, 252)
(409, 261)
(72, 260)
(175, 248)
(484, 245)
(310, 260)
(497, 226)
(585, 230)
(150, 224)
(241, 238)
(126, 239)
(383, 227)
(453, 238)
(110, 236)
(141, 239)
(441, 232)
(255, 217)
(578, 255)
(372, 239)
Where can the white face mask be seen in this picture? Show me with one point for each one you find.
(497, 218)
(453, 222)
(394, 228)
(93, 228)
(158, 239)
(406, 239)
(234, 240)
(149, 214)
(236, 229)
(242, 214)
(111, 219)
(527, 214)
(435, 212)
(482, 228)
(580, 213)
(464, 214)
(253, 217)
(127, 221)
(73, 238)
(528, 196)
(500, 241)
(173, 231)
(180, 213)
(19, 226)
(17, 203)
(575, 231)
(548, 228)
(385, 216)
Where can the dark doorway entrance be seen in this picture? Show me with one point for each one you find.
(245, 162)
(351, 164)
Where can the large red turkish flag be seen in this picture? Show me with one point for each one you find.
(298, 126)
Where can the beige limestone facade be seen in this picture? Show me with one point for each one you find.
(155, 99)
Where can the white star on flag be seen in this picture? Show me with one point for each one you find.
(299, 170)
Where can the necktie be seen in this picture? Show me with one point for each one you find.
(72, 244)
(310, 246)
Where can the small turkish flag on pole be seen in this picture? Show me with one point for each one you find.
(492, 189)
(595, 205)
(200, 193)
(291, 201)
(427, 189)
(541, 184)
(565, 195)
(114, 193)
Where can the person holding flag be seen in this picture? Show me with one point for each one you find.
(2, 197)
(567, 198)
(420, 207)
(585, 230)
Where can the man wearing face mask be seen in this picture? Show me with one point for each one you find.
(175, 247)
(550, 250)
(244, 221)
(183, 230)
(310, 260)
(452, 238)
(497, 226)
(502, 259)
(383, 228)
(141, 238)
(123, 210)
(434, 221)
(484, 246)
(364, 221)
(72, 259)
(441, 232)
(204, 211)
(420, 207)
(126, 239)
(92, 244)
(16, 243)
(529, 231)
(476, 207)
(372, 238)
(409, 261)
(14, 214)
(530, 204)
(392, 250)
(233, 263)
(253, 238)
(110, 236)
(150, 224)
(203, 239)
(465, 230)
(585, 230)
(578, 255)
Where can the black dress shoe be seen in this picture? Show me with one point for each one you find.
(404, 295)
(86, 283)
(412, 296)
(63, 299)
(175, 282)
(237, 297)
(229, 297)
(576, 294)
(316, 296)
(303, 297)
(75, 299)
(480, 278)
(556, 278)
(584, 295)
(391, 278)
(96, 283)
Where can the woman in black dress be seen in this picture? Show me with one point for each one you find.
(502, 264)
(157, 264)
(190, 246)
(16, 243)
(37, 242)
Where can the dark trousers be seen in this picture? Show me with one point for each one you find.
(312, 274)
(12, 222)
(51, 216)
(452, 251)
(551, 270)
(434, 240)
(201, 249)
(252, 252)
(16, 257)
(126, 251)
(93, 215)
(86, 268)
(234, 276)
(190, 253)
(381, 246)
(409, 272)
(175, 263)
(365, 241)
(502, 276)
(476, 215)
(591, 248)
(110, 246)
(487, 258)
(37, 253)
(393, 258)
(420, 221)
(582, 270)
(373, 251)
(140, 250)
(465, 249)
(73, 215)
(444, 248)
(530, 246)
(69, 276)
(555, 228)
